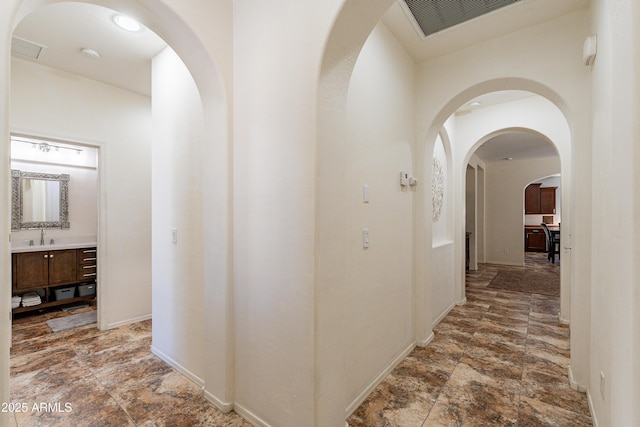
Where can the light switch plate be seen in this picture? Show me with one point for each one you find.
(404, 178)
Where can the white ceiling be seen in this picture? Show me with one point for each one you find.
(522, 14)
(66, 28)
(515, 146)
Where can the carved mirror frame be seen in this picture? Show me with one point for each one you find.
(16, 200)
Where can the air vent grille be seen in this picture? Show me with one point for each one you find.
(436, 15)
(26, 48)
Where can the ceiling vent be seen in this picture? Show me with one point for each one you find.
(433, 16)
(26, 48)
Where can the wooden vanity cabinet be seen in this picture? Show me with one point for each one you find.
(48, 270)
(45, 268)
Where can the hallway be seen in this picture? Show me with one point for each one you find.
(499, 360)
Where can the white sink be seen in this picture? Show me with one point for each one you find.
(24, 245)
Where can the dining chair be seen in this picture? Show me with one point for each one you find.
(552, 243)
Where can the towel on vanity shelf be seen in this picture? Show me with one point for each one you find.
(15, 301)
(30, 299)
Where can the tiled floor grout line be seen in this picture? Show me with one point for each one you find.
(464, 351)
(93, 374)
(524, 358)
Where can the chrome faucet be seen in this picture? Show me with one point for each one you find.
(42, 232)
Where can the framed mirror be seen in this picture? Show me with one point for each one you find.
(39, 200)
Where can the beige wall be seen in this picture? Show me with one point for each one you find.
(119, 123)
(615, 301)
(379, 279)
(177, 266)
(504, 226)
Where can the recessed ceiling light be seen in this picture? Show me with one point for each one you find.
(508, 158)
(126, 23)
(474, 104)
(90, 53)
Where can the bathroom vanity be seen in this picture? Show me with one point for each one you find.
(51, 270)
(64, 275)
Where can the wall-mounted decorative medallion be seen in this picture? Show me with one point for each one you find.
(437, 189)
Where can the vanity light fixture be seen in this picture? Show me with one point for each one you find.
(45, 147)
(127, 23)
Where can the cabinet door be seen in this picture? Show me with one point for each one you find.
(31, 270)
(532, 199)
(548, 200)
(62, 267)
(535, 241)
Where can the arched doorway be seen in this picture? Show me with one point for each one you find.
(210, 365)
(518, 119)
(437, 99)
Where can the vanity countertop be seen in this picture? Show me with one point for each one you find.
(62, 243)
(53, 247)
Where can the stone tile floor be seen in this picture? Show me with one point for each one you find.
(101, 378)
(500, 360)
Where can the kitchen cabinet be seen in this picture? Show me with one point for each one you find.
(548, 200)
(539, 200)
(534, 239)
(46, 271)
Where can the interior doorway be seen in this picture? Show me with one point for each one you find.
(54, 240)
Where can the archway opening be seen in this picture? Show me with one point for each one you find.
(146, 204)
(439, 98)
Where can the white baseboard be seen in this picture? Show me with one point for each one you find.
(445, 312)
(178, 367)
(577, 387)
(129, 321)
(594, 419)
(463, 301)
(225, 407)
(367, 391)
(250, 416)
(425, 342)
(563, 321)
(574, 384)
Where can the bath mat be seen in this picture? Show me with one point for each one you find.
(74, 307)
(73, 321)
(544, 283)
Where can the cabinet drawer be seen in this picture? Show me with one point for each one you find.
(87, 264)
(87, 256)
(87, 272)
(88, 260)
